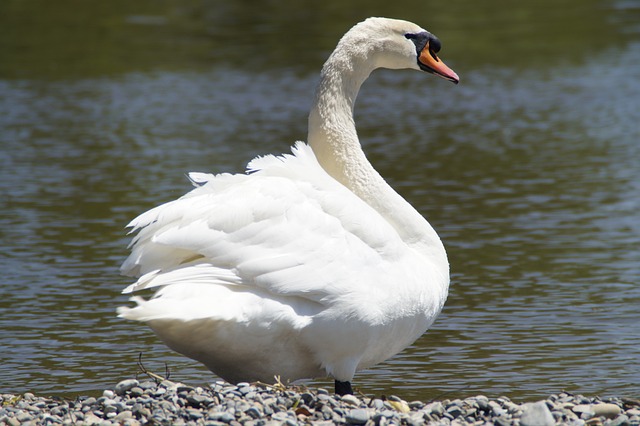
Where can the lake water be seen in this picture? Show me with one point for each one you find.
(529, 170)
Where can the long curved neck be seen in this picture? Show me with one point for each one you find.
(334, 140)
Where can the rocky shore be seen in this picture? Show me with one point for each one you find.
(147, 402)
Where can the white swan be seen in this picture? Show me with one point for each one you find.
(310, 264)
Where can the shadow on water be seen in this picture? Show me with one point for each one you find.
(527, 169)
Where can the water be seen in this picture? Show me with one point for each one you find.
(529, 170)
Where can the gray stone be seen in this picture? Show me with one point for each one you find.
(502, 421)
(12, 421)
(496, 409)
(455, 411)
(416, 405)
(222, 416)
(194, 413)
(536, 414)
(196, 400)
(482, 403)
(110, 409)
(253, 412)
(146, 385)
(350, 399)
(24, 417)
(358, 416)
(92, 419)
(435, 408)
(125, 415)
(89, 401)
(621, 420)
(281, 415)
(126, 385)
(136, 391)
(377, 404)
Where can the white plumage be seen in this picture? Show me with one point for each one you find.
(308, 265)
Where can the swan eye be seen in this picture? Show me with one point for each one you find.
(434, 44)
(421, 40)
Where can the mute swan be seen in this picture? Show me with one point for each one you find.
(309, 264)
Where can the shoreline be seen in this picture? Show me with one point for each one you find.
(134, 402)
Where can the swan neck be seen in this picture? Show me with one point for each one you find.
(332, 131)
(334, 140)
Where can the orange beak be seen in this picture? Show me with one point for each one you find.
(429, 62)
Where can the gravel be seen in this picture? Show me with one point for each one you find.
(133, 403)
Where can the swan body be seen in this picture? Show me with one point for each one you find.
(309, 264)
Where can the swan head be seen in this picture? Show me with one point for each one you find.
(396, 44)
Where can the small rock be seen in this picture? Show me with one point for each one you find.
(584, 411)
(610, 411)
(435, 408)
(350, 399)
(136, 391)
(12, 421)
(92, 419)
(502, 421)
(123, 416)
(246, 390)
(482, 402)
(621, 420)
(146, 385)
(536, 414)
(416, 405)
(280, 416)
(253, 412)
(126, 385)
(108, 394)
(377, 404)
(196, 400)
(455, 411)
(496, 409)
(194, 413)
(24, 417)
(89, 401)
(111, 408)
(358, 416)
(222, 416)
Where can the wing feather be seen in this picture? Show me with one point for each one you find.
(287, 228)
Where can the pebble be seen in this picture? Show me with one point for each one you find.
(135, 403)
(358, 416)
(125, 385)
(610, 411)
(536, 414)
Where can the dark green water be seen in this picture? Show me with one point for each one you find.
(529, 169)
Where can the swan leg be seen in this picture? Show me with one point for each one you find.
(343, 388)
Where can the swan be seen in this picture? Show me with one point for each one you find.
(309, 264)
